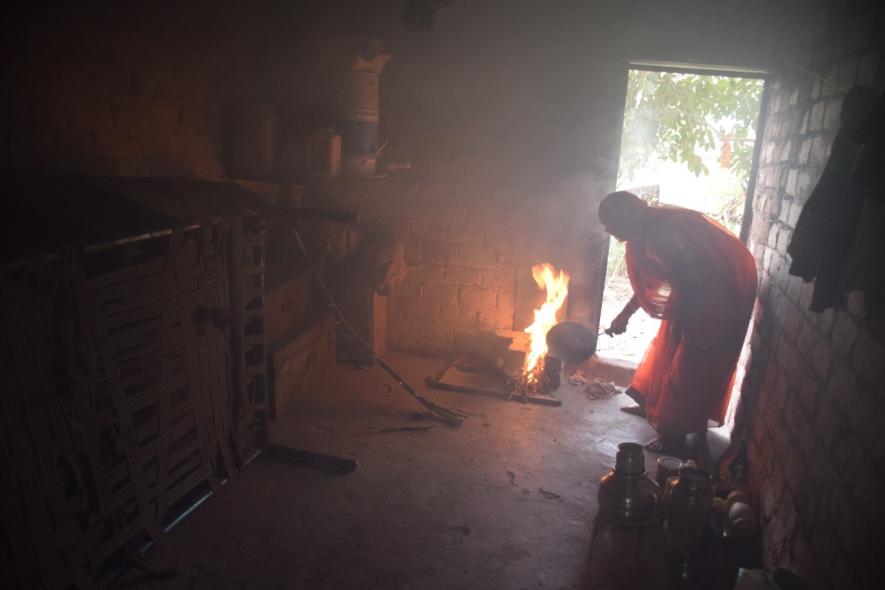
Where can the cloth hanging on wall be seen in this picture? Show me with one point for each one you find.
(867, 256)
(870, 135)
(827, 226)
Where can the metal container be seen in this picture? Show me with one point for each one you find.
(571, 342)
(360, 137)
(667, 468)
(360, 106)
(666, 476)
(359, 164)
(690, 505)
(627, 495)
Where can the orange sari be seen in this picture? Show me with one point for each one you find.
(688, 370)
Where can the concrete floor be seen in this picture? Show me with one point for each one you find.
(506, 501)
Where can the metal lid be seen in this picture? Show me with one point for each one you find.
(630, 459)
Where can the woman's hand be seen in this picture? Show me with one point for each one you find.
(618, 325)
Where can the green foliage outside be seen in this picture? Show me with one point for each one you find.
(677, 116)
(686, 118)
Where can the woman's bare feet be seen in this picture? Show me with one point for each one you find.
(635, 396)
(673, 445)
(639, 408)
(686, 447)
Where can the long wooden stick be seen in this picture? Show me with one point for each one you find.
(452, 417)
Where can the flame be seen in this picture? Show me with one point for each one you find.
(556, 285)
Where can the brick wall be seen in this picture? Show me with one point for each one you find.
(815, 381)
(492, 131)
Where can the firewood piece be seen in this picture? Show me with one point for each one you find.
(552, 374)
(447, 380)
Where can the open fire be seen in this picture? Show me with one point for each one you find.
(556, 286)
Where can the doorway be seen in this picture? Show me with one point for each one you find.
(689, 139)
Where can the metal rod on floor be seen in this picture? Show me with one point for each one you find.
(532, 399)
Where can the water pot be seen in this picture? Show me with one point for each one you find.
(627, 495)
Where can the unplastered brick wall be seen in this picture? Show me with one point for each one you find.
(472, 232)
(496, 178)
(461, 278)
(816, 382)
(464, 254)
(122, 88)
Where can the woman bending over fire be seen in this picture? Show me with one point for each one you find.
(700, 280)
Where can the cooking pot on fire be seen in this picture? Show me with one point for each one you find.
(571, 342)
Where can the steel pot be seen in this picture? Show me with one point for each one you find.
(690, 505)
(627, 495)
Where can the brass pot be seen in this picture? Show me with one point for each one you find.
(627, 495)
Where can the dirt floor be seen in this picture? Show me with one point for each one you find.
(505, 501)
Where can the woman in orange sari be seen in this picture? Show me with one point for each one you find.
(700, 280)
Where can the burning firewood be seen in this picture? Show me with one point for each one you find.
(540, 371)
